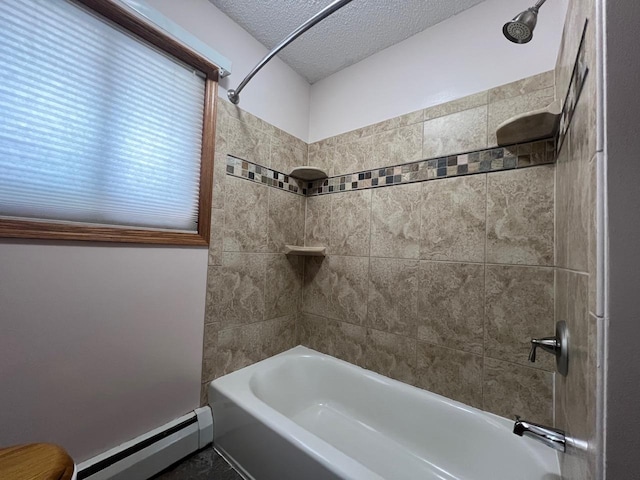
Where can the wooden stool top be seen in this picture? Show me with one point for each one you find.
(38, 461)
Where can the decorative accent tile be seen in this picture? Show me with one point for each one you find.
(483, 161)
(240, 168)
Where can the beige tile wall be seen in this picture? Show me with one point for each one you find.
(438, 284)
(253, 290)
(576, 296)
(419, 301)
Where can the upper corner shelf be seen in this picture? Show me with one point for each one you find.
(305, 251)
(308, 174)
(530, 126)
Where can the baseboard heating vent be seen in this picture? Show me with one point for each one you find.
(149, 454)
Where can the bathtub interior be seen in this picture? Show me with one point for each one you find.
(383, 423)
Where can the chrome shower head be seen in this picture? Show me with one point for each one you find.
(520, 29)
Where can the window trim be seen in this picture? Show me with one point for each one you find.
(47, 230)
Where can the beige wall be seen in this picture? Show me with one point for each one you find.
(440, 284)
(577, 300)
(99, 343)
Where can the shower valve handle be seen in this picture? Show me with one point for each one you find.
(548, 344)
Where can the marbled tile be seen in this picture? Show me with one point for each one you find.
(520, 217)
(519, 307)
(317, 291)
(235, 291)
(219, 180)
(456, 106)
(395, 221)
(290, 140)
(456, 133)
(573, 179)
(451, 373)
(393, 299)
(349, 293)
(397, 122)
(502, 110)
(451, 305)
(222, 132)
(239, 347)
(522, 87)
(212, 311)
(324, 143)
(510, 390)
(245, 222)
(235, 112)
(576, 391)
(353, 157)
(285, 157)
(346, 342)
(286, 220)
(391, 355)
(248, 143)
(322, 158)
(453, 219)
(355, 135)
(351, 223)
(283, 285)
(336, 287)
(209, 349)
(312, 332)
(317, 230)
(400, 145)
(216, 237)
(278, 335)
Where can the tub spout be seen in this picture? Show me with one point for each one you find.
(551, 437)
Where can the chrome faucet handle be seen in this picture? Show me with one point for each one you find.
(548, 344)
(558, 346)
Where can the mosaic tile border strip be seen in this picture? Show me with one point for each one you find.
(483, 161)
(259, 174)
(578, 79)
(489, 160)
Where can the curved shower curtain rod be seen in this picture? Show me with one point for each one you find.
(234, 95)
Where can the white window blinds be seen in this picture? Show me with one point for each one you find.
(95, 125)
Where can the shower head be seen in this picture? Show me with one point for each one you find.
(520, 29)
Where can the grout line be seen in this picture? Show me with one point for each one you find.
(484, 287)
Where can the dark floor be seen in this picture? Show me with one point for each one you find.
(203, 465)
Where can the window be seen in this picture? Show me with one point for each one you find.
(106, 126)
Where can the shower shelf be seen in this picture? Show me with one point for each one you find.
(530, 126)
(308, 174)
(305, 251)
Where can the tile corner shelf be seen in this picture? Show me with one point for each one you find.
(305, 251)
(530, 126)
(308, 174)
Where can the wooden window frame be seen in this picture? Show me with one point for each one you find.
(59, 230)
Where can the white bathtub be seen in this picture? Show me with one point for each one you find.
(303, 415)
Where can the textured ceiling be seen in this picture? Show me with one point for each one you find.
(358, 30)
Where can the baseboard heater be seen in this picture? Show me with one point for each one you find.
(149, 454)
